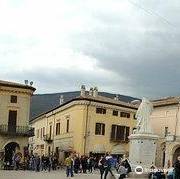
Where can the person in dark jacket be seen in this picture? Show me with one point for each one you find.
(177, 168)
(84, 164)
(127, 166)
(101, 165)
(77, 164)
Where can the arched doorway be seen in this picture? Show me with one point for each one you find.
(10, 149)
(176, 154)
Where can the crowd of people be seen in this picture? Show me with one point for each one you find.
(32, 162)
(106, 165)
(75, 165)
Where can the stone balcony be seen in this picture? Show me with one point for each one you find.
(7, 130)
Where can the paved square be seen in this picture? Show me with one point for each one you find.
(42, 175)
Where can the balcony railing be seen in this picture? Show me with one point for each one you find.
(16, 130)
(119, 140)
(48, 138)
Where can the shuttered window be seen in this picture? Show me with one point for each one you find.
(115, 113)
(119, 133)
(57, 128)
(125, 114)
(13, 99)
(100, 111)
(113, 132)
(127, 133)
(67, 127)
(100, 129)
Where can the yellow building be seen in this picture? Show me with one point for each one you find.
(87, 124)
(14, 117)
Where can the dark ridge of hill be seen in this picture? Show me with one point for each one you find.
(41, 103)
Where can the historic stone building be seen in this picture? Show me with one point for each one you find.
(88, 124)
(166, 123)
(14, 117)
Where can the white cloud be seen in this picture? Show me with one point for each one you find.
(91, 39)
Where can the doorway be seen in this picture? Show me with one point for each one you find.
(176, 154)
(12, 122)
(10, 149)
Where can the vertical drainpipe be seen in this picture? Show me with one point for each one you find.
(53, 134)
(86, 127)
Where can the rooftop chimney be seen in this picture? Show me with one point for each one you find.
(95, 92)
(83, 90)
(91, 92)
(116, 97)
(26, 82)
(61, 100)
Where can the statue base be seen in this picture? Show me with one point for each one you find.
(142, 151)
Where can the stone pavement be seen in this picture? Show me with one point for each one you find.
(44, 175)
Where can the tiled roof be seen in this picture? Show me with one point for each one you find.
(16, 85)
(42, 103)
(109, 100)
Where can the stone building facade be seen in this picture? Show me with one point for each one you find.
(14, 117)
(166, 124)
(88, 124)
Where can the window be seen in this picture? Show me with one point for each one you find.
(67, 128)
(119, 133)
(115, 113)
(125, 114)
(100, 111)
(134, 116)
(100, 129)
(13, 99)
(57, 128)
(165, 131)
(37, 133)
(43, 131)
(50, 131)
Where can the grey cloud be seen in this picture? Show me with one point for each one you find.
(141, 48)
(58, 79)
(147, 57)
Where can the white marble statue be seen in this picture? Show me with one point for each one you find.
(143, 117)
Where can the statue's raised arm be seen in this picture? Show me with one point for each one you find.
(143, 116)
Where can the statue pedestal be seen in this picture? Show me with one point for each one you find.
(142, 151)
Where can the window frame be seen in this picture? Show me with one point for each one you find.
(100, 128)
(13, 99)
(100, 110)
(58, 128)
(115, 113)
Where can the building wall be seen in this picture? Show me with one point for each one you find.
(22, 107)
(81, 137)
(162, 117)
(108, 119)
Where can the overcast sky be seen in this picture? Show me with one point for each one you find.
(127, 47)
